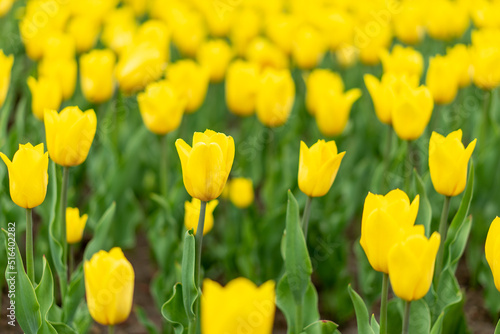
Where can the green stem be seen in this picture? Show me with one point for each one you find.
(197, 268)
(483, 134)
(406, 318)
(443, 229)
(111, 329)
(64, 241)
(305, 217)
(409, 166)
(71, 259)
(163, 166)
(383, 304)
(30, 267)
(298, 317)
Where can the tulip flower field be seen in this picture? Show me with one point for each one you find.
(250, 166)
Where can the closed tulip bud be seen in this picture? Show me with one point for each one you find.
(403, 60)
(239, 303)
(191, 80)
(59, 45)
(74, 225)
(139, 6)
(6, 63)
(192, 215)
(109, 286)
(266, 54)
(492, 250)
(206, 165)
(119, 29)
(460, 57)
(215, 55)
(45, 94)
(485, 54)
(371, 46)
(84, 31)
(98, 10)
(157, 33)
(5, 6)
(411, 265)
(486, 14)
(337, 26)
(442, 80)
(318, 83)
(386, 221)
(275, 97)
(218, 24)
(334, 109)
(241, 192)
(63, 70)
(28, 177)
(448, 160)
(161, 107)
(281, 29)
(189, 31)
(318, 167)
(69, 135)
(242, 84)
(96, 75)
(308, 47)
(409, 23)
(412, 112)
(447, 19)
(245, 28)
(347, 55)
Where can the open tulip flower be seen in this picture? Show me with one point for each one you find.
(192, 215)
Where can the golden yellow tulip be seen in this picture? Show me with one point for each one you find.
(412, 112)
(318, 167)
(371, 46)
(337, 26)
(139, 6)
(218, 23)
(318, 83)
(6, 63)
(98, 10)
(28, 177)
(347, 55)
(45, 94)
(119, 29)
(75, 225)
(442, 79)
(192, 215)
(215, 55)
(191, 80)
(84, 31)
(492, 250)
(281, 30)
(403, 60)
(236, 307)
(485, 54)
(157, 33)
(206, 165)
(266, 54)
(189, 31)
(245, 28)
(242, 84)
(63, 70)
(448, 160)
(486, 14)
(69, 135)
(96, 75)
(447, 19)
(333, 110)
(109, 286)
(308, 47)
(460, 58)
(409, 22)
(275, 97)
(59, 45)
(241, 192)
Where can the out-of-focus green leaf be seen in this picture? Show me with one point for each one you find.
(173, 310)
(74, 295)
(143, 319)
(321, 327)
(374, 324)
(362, 317)
(189, 288)
(101, 234)
(424, 216)
(420, 317)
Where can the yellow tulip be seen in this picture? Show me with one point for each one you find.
(492, 250)
(308, 47)
(96, 75)
(109, 286)
(45, 94)
(266, 54)
(218, 24)
(333, 110)
(371, 46)
(241, 192)
(386, 221)
(6, 63)
(486, 14)
(75, 225)
(63, 70)
(28, 177)
(139, 6)
(215, 55)
(119, 29)
(318, 167)
(59, 45)
(191, 80)
(448, 160)
(189, 31)
(242, 84)
(485, 54)
(412, 112)
(318, 83)
(411, 265)
(409, 22)
(245, 28)
(281, 30)
(442, 79)
(69, 135)
(347, 55)
(5, 6)
(161, 107)
(403, 60)
(237, 307)
(337, 26)
(192, 215)
(460, 58)
(156, 32)
(447, 19)
(84, 31)
(206, 165)
(275, 97)
(98, 10)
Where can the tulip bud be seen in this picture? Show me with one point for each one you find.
(460, 58)
(308, 48)
(318, 167)
(485, 55)
(411, 265)
(96, 75)
(189, 31)
(45, 94)
(486, 14)
(69, 135)
(218, 24)
(191, 81)
(206, 165)
(412, 112)
(371, 46)
(266, 54)
(84, 31)
(447, 19)
(5, 6)
(239, 303)
(215, 55)
(139, 6)
(409, 22)
(6, 63)
(448, 160)
(28, 177)
(245, 28)
(403, 61)
(318, 83)
(161, 107)
(492, 250)
(442, 80)
(74, 225)
(281, 29)
(109, 286)
(347, 55)
(386, 221)
(242, 84)
(192, 215)
(59, 45)
(63, 70)
(337, 26)
(333, 111)
(119, 29)
(241, 192)
(275, 97)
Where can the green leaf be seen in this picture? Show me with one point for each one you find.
(56, 249)
(62, 328)
(74, 295)
(28, 313)
(321, 327)
(45, 294)
(447, 294)
(189, 289)
(420, 317)
(143, 319)
(101, 234)
(497, 329)
(173, 310)
(374, 324)
(361, 312)
(424, 216)
(456, 246)
(438, 325)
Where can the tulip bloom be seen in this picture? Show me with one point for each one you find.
(119, 29)
(96, 75)
(386, 221)
(84, 30)
(318, 83)
(69, 135)
(215, 55)
(246, 27)
(74, 225)
(403, 60)
(45, 94)
(318, 167)
(281, 28)
(275, 97)
(109, 286)
(308, 47)
(412, 112)
(161, 107)
(411, 265)
(337, 26)
(63, 70)
(442, 79)
(447, 19)
(241, 192)
(188, 30)
(59, 45)
(242, 84)
(191, 80)
(409, 22)
(333, 111)
(206, 165)
(6, 63)
(371, 46)
(448, 160)
(192, 215)
(28, 176)
(492, 250)
(266, 54)
(236, 306)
